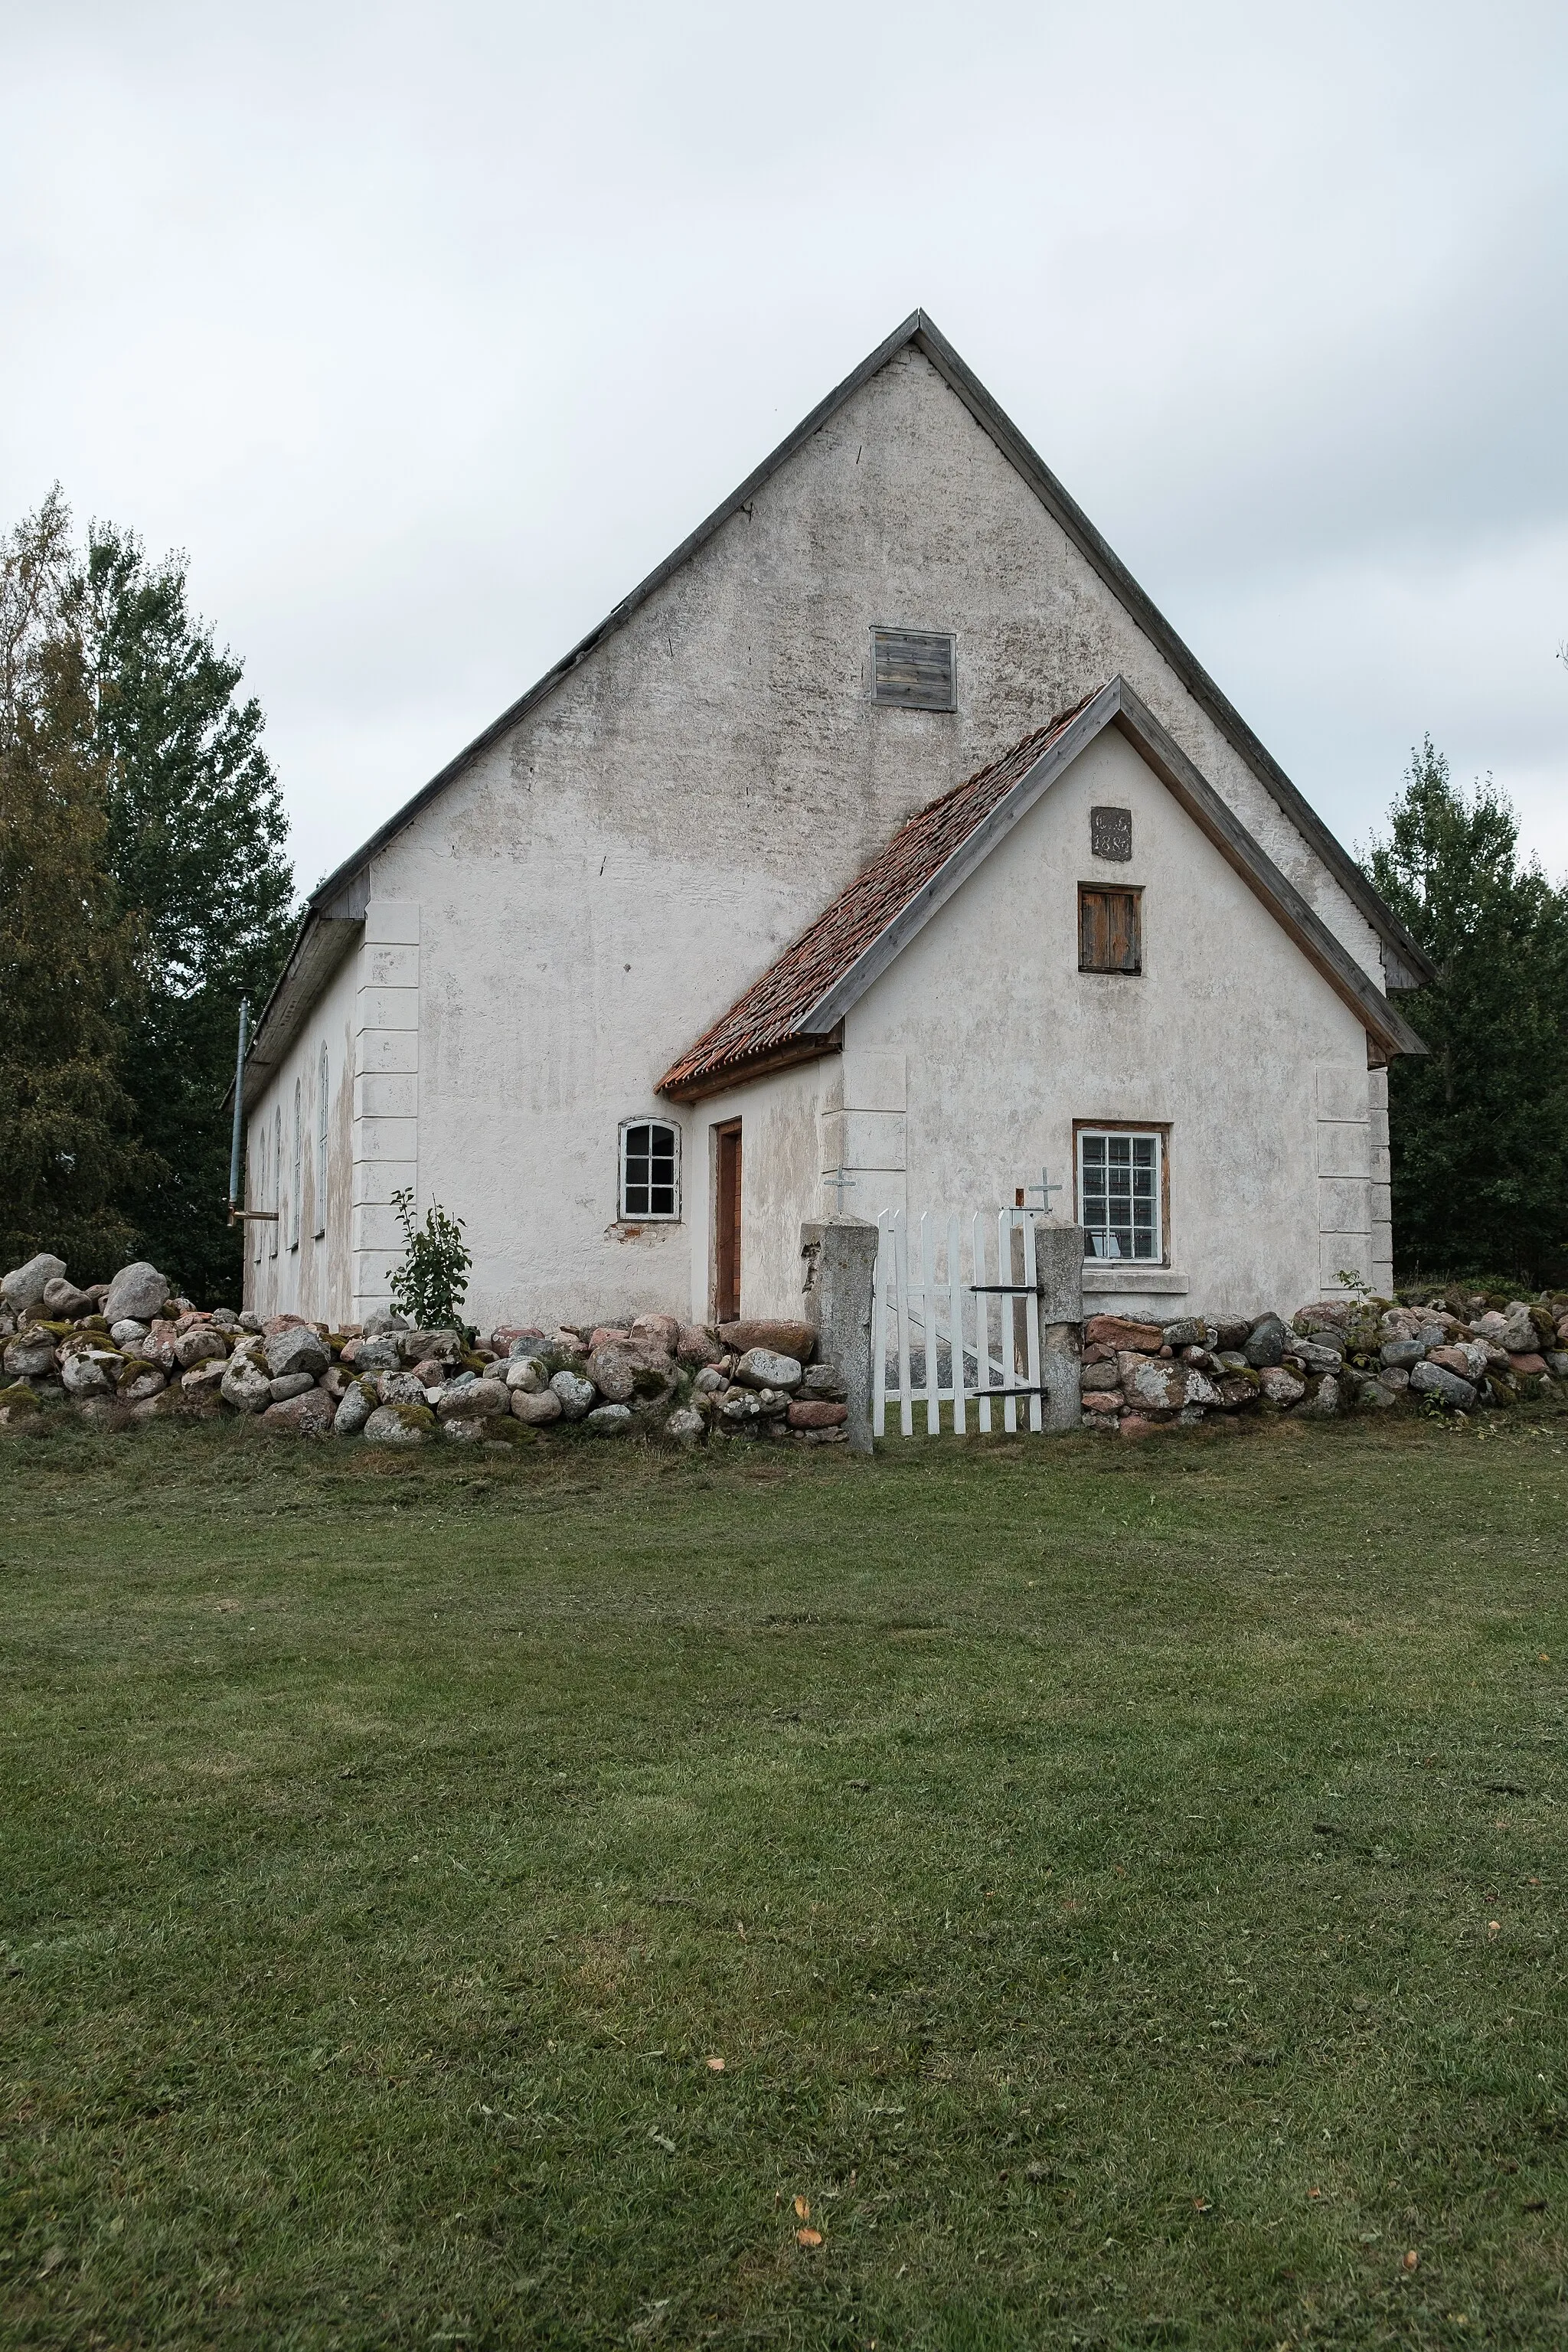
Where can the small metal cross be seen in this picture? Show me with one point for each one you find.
(1045, 1188)
(842, 1182)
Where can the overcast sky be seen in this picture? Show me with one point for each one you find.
(427, 331)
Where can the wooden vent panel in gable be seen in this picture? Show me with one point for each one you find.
(916, 668)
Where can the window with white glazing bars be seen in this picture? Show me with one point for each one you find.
(1119, 1194)
(650, 1170)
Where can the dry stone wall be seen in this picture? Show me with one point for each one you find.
(1454, 1351)
(126, 1351)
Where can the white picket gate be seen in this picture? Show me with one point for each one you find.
(954, 1322)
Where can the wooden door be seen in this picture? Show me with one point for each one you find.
(727, 1226)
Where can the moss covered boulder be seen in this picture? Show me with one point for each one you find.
(400, 1424)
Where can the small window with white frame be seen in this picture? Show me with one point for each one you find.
(1121, 1194)
(650, 1170)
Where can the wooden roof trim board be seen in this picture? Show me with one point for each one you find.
(615, 619)
(790, 1006)
(1411, 966)
(1410, 961)
(1247, 858)
(779, 1005)
(759, 1062)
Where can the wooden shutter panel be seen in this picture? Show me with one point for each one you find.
(1094, 931)
(912, 667)
(1124, 955)
(1109, 930)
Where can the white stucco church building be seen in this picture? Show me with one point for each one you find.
(884, 848)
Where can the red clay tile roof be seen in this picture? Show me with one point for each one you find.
(768, 1018)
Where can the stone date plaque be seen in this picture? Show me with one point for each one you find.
(1110, 833)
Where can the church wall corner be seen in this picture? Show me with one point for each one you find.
(385, 1112)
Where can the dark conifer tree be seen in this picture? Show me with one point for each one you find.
(196, 847)
(1479, 1129)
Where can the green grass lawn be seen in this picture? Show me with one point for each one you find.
(1124, 1887)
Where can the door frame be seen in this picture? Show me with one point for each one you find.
(729, 1182)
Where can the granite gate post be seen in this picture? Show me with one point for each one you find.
(1058, 1273)
(839, 1263)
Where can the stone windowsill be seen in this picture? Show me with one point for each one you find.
(1120, 1278)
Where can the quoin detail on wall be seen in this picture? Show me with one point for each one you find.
(916, 668)
(1110, 833)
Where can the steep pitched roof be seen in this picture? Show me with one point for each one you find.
(796, 1010)
(341, 897)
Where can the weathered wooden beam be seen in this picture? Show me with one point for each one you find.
(804, 1048)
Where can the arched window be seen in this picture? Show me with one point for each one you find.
(298, 1156)
(650, 1170)
(322, 1147)
(277, 1176)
